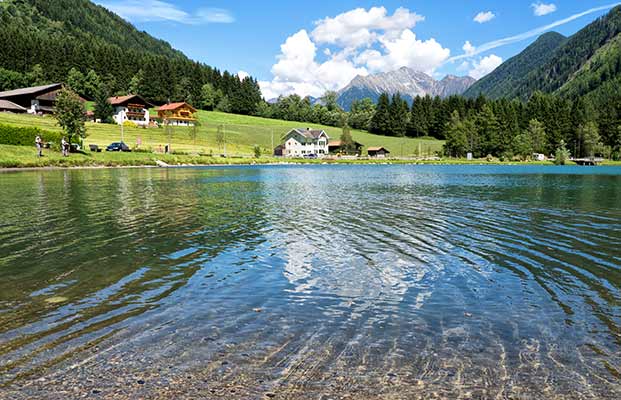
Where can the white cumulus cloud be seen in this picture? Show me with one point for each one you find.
(359, 27)
(541, 9)
(298, 71)
(405, 51)
(356, 42)
(158, 10)
(468, 48)
(484, 66)
(484, 16)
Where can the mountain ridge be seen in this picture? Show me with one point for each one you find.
(588, 63)
(500, 82)
(407, 82)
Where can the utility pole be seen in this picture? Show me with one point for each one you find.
(224, 138)
(122, 125)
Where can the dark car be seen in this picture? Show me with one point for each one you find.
(310, 155)
(118, 146)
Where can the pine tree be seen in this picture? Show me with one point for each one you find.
(537, 134)
(347, 142)
(590, 134)
(103, 110)
(208, 97)
(381, 121)
(456, 144)
(36, 76)
(489, 131)
(92, 84)
(135, 85)
(399, 113)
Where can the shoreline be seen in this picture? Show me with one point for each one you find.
(271, 162)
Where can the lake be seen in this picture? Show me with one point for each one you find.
(315, 282)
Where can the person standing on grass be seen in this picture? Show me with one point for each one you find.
(39, 144)
(65, 147)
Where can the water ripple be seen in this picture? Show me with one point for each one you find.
(378, 281)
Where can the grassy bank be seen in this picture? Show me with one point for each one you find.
(25, 157)
(242, 134)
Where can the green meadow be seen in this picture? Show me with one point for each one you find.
(241, 133)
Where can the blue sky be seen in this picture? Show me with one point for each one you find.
(310, 47)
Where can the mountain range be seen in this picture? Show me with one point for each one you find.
(586, 64)
(405, 81)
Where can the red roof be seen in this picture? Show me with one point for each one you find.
(174, 106)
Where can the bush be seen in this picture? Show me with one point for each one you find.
(25, 136)
(130, 124)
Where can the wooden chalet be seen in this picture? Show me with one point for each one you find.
(34, 100)
(335, 147)
(181, 114)
(378, 152)
(130, 108)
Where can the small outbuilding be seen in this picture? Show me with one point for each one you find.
(378, 152)
(36, 100)
(9, 106)
(279, 150)
(335, 147)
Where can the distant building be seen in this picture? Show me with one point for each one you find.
(378, 152)
(279, 150)
(130, 108)
(9, 106)
(35, 100)
(539, 157)
(301, 142)
(334, 147)
(181, 114)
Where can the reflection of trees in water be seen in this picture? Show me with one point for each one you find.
(106, 246)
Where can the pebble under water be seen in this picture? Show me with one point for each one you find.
(296, 282)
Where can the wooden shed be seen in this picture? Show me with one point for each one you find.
(377, 152)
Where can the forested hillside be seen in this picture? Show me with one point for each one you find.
(505, 80)
(586, 64)
(41, 41)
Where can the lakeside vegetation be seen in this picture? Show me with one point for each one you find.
(25, 157)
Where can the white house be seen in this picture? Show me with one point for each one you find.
(130, 108)
(301, 142)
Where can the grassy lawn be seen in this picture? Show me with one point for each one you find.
(26, 157)
(242, 134)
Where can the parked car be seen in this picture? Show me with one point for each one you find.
(118, 146)
(310, 155)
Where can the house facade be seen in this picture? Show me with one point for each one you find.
(178, 114)
(130, 108)
(34, 100)
(301, 142)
